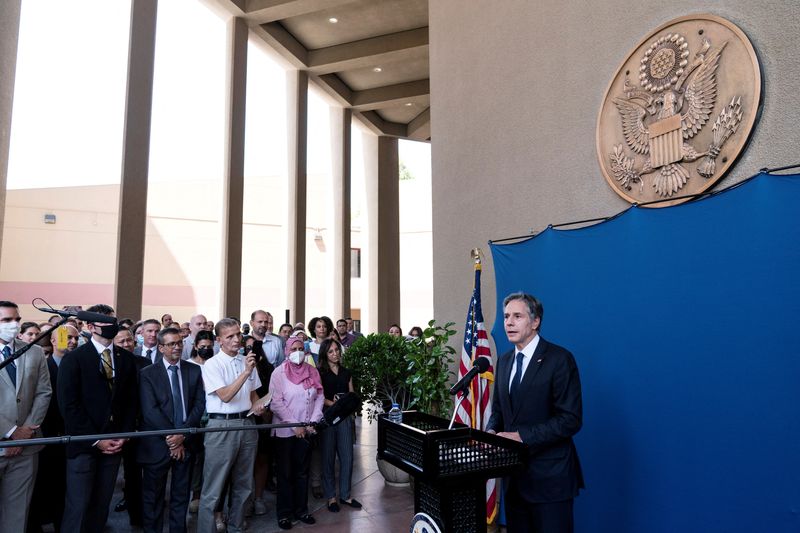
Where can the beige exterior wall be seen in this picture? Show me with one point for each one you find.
(515, 91)
(182, 249)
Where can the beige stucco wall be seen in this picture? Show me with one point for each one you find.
(516, 87)
(182, 261)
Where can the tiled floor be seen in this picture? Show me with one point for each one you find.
(386, 509)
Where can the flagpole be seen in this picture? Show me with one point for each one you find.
(476, 344)
(475, 385)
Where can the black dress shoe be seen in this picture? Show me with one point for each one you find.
(333, 507)
(285, 523)
(121, 506)
(307, 519)
(355, 504)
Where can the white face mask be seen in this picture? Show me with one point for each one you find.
(297, 357)
(8, 330)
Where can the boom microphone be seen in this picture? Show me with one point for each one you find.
(86, 316)
(480, 366)
(341, 409)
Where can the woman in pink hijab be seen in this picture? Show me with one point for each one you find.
(297, 396)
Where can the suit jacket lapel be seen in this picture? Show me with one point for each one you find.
(530, 373)
(505, 381)
(20, 363)
(6, 379)
(117, 366)
(185, 381)
(166, 386)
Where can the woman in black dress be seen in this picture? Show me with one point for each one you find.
(337, 440)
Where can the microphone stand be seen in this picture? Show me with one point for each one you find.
(16, 355)
(463, 393)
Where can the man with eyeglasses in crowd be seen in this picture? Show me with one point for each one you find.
(171, 395)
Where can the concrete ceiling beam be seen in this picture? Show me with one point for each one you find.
(367, 52)
(262, 11)
(419, 129)
(283, 42)
(378, 126)
(388, 95)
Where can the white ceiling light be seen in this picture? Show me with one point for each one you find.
(333, 20)
(377, 69)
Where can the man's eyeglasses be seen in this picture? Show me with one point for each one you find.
(175, 344)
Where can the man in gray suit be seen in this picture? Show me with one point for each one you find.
(24, 397)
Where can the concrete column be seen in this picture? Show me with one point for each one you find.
(135, 160)
(384, 233)
(297, 142)
(340, 155)
(233, 183)
(9, 36)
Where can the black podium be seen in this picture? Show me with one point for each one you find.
(450, 466)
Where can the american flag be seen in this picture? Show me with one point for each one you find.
(476, 408)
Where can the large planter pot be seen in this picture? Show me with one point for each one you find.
(393, 476)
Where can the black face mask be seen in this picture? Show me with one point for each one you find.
(205, 353)
(108, 331)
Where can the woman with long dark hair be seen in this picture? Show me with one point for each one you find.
(336, 440)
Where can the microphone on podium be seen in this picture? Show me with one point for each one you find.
(480, 366)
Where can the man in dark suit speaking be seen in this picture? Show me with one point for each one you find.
(537, 401)
(172, 396)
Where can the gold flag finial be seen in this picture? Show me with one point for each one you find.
(476, 255)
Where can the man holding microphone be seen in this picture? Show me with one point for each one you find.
(230, 384)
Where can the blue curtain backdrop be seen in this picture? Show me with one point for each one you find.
(685, 323)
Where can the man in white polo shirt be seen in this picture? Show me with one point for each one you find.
(230, 384)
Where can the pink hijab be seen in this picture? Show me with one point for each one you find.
(304, 374)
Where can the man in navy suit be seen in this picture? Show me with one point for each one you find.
(96, 394)
(537, 401)
(172, 396)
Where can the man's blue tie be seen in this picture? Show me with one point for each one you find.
(517, 376)
(11, 368)
(177, 405)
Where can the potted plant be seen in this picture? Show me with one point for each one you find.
(412, 373)
(429, 370)
(379, 364)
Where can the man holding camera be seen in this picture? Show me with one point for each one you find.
(230, 384)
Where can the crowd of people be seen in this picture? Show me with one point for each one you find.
(107, 377)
